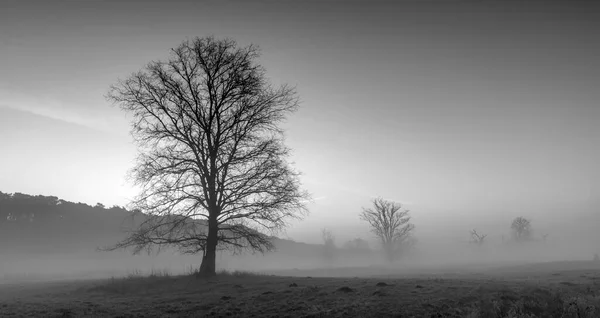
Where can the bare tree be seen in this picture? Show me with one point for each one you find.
(477, 238)
(328, 238)
(390, 224)
(212, 166)
(521, 229)
(328, 244)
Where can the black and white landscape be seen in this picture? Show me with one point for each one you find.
(299, 159)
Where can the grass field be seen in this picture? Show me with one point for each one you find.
(567, 289)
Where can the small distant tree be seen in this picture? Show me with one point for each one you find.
(328, 243)
(390, 223)
(477, 238)
(521, 229)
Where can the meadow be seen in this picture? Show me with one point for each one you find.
(551, 289)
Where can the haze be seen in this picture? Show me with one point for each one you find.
(470, 114)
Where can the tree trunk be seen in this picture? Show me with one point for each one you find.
(209, 259)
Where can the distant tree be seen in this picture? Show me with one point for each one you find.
(328, 244)
(212, 167)
(99, 206)
(390, 224)
(477, 238)
(521, 229)
(328, 238)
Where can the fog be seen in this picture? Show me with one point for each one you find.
(433, 253)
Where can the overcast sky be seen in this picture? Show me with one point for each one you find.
(461, 110)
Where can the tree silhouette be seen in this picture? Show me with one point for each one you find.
(389, 223)
(521, 229)
(477, 238)
(212, 166)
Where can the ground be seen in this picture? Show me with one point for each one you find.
(541, 290)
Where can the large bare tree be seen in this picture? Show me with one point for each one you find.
(212, 165)
(390, 223)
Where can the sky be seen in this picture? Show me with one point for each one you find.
(469, 113)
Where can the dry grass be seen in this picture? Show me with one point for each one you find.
(552, 293)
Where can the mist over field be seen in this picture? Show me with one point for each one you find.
(49, 262)
(60, 242)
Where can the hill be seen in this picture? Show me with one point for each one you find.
(47, 224)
